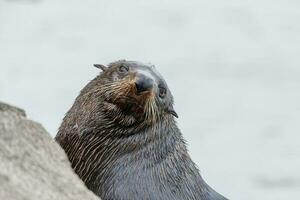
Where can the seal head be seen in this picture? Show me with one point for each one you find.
(134, 93)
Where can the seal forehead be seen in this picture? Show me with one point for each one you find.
(148, 70)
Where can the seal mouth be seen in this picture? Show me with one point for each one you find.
(129, 105)
(130, 100)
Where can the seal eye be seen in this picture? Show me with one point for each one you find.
(162, 92)
(123, 69)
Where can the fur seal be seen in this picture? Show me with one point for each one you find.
(123, 142)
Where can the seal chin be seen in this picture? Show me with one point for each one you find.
(129, 105)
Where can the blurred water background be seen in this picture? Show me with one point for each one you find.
(233, 68)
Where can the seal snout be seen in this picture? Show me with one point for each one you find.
(143, 83)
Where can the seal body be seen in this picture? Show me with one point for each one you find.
(123, 142)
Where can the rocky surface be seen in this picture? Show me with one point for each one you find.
(32, 165)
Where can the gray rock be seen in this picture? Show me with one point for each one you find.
(32, 164)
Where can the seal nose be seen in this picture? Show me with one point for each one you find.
(143, 83)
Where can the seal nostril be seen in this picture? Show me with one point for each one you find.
(139, 87)
(143, 84)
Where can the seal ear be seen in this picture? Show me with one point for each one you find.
(100, 66)
(172, 112)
